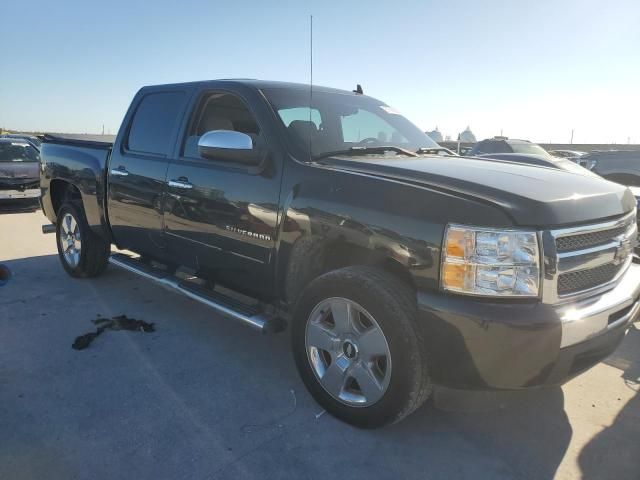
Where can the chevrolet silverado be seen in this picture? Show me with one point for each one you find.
(322, 210)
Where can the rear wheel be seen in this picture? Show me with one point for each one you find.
(358, 348)
(82, 252)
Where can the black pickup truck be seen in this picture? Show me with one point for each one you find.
(395, 269)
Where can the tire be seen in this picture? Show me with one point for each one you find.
(379, 304)
(83, 254)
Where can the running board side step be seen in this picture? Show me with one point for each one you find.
(223, 305)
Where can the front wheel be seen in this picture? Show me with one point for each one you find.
(82, 252)
(357, 346)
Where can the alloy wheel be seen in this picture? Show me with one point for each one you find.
(70, 241)
(348, 352)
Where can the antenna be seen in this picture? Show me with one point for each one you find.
(310, 81)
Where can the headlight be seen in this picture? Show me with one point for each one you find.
(481, 261)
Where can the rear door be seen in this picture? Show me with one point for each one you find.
(221, 217)
(137, 170)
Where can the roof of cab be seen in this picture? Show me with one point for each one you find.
(252, 83)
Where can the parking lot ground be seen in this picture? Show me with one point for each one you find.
(203, 397)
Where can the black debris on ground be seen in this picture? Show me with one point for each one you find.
(121, 322)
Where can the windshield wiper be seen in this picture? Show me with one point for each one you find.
(357, 151)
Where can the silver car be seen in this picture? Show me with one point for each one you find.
(19, 169)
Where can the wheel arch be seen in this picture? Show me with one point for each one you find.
(62, 190)
(313, 255)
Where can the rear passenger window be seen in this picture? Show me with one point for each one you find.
(154, 121)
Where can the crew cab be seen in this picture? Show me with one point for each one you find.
(322, 211)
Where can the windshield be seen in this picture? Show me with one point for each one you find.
(340, 121)
(529, 148)
(18, 152)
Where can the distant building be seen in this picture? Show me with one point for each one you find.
(447, 138)
(467, 136)
(435, 135)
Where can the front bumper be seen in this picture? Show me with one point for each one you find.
(483, 344)
(12, 194)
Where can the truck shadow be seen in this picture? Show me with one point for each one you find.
(615, 451)
(523, 436)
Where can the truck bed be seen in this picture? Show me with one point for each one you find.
(80, 140)
(80, 162)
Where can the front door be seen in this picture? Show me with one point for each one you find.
(137, 172)
(221, 217)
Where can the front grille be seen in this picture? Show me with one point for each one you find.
(573, 282)
(588, 258)
(587, 240)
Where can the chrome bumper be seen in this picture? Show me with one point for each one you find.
(11, 194)
(591, 317)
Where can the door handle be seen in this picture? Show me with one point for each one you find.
(182, 183)
(119, 172)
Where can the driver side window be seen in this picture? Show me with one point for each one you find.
(364, 125)
(220, 111)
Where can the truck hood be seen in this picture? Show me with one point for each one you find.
(530, 195)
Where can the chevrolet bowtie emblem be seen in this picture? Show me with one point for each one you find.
(622, 251)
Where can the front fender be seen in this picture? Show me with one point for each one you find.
(385, 219)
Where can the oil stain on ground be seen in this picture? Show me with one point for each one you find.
(121, 322)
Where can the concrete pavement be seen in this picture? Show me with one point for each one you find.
(202, 397)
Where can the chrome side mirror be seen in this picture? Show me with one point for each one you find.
(228, 145)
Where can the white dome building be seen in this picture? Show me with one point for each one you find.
(435, 135)
(467, 136)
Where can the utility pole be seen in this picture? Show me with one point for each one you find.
(103, 129)
(571, 136)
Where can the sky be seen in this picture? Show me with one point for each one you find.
(533, 70)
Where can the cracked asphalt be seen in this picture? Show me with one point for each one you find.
(204, 398)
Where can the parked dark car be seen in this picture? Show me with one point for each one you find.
(397, 271)
(19, 169)
(620, 166)
(541, 160)
(507, 145)
(35, 141)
